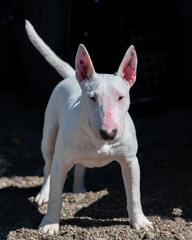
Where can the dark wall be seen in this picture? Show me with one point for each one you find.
(160, 31)
(23, 69)
(186, 49)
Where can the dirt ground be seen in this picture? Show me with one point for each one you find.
(165, 155)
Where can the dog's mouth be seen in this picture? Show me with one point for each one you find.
(104, 135)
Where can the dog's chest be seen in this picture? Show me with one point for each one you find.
(91, 156)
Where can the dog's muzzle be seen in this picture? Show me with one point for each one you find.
(108, 135)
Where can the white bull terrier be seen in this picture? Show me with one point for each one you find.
(87, 123)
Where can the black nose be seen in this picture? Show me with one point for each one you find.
(108, 135)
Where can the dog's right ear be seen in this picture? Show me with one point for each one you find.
(83, 64)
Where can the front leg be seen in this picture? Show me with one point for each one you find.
(131, 176)
(50, 222)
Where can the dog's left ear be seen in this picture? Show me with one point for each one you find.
(128, 66)
(83, 64)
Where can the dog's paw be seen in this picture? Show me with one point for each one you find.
(141, 223)
(48, 226)
(42, 198)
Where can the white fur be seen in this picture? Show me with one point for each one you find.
(71, 133)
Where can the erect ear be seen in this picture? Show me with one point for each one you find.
(128, 66)
(83, 64)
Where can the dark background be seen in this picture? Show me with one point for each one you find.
(160, 31)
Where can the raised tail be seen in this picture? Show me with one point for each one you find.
(63, 68)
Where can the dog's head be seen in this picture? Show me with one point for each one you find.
(105, 97)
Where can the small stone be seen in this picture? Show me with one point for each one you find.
(165, 233)
(177, 238)
(177, 219)
(148, 235)
(79, 197)
(99, 238)
(20, 230)
(189, 224)
(177, 211)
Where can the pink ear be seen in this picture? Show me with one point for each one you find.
(128, 66)
(83, 64)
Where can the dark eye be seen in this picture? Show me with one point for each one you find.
(93, 99)
(120, 98)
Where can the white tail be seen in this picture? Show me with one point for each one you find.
(63, 68)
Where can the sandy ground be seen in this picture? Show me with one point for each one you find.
(165, 155)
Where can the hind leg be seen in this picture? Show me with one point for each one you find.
(43, 196)
(47, 147)
(79, 185)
